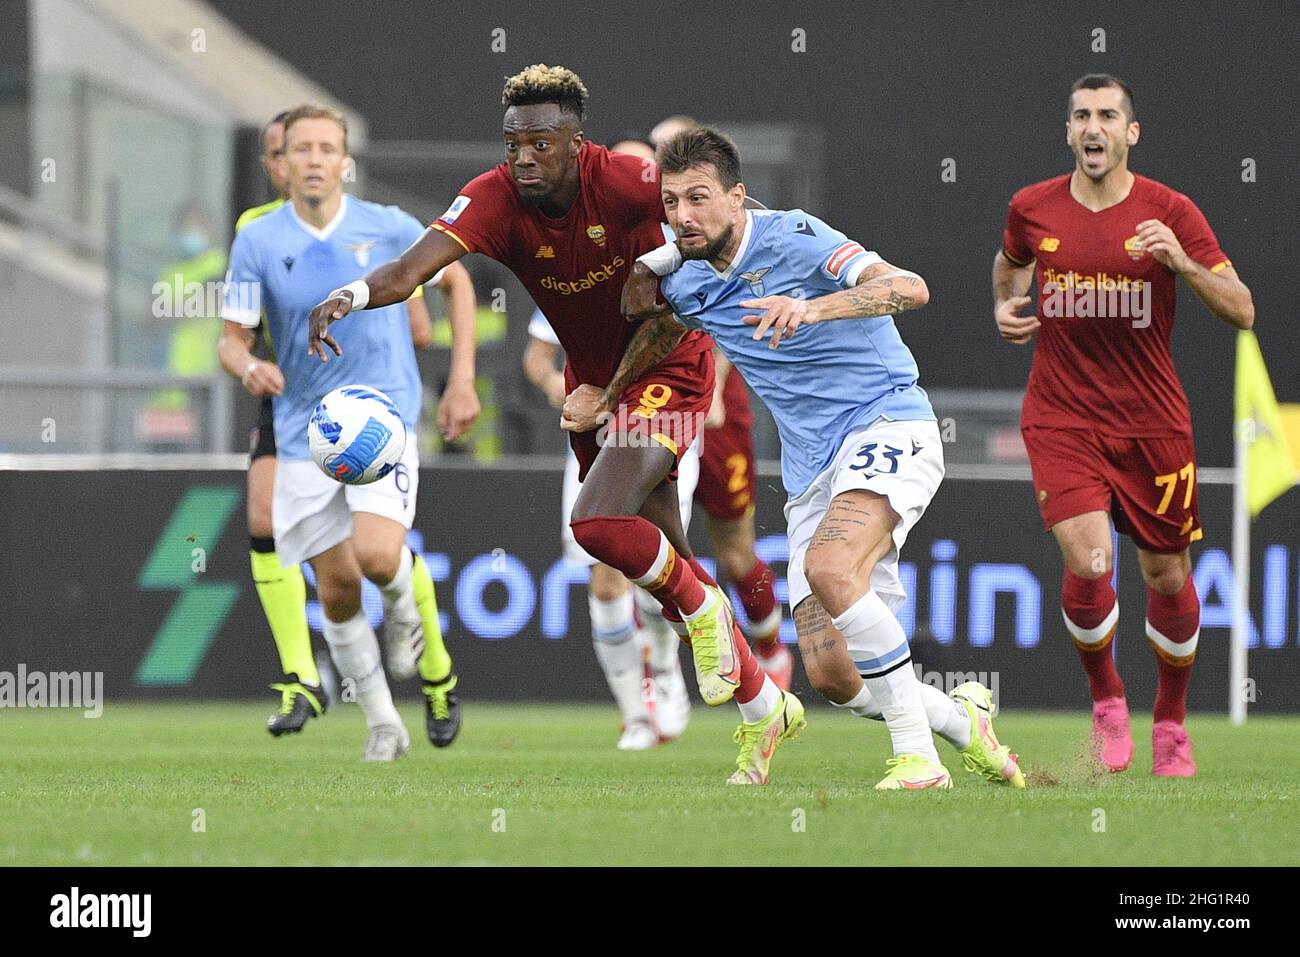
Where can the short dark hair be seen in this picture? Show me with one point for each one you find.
(699, 147)
(540, 83)
(1100, 81)
(277, 120)
(311, 112)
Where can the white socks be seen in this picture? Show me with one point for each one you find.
(398, 596)
(613, 635)
(947, 718)
(355, 651)
(879, 649)
(762, 704)
(659, 634)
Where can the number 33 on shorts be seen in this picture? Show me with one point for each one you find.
(877, 458)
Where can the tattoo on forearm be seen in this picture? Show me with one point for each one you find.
(877, 298)
(650, 344)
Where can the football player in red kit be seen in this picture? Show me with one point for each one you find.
(569, 218)
(1105, 419)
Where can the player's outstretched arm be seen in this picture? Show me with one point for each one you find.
(881, 290)
(459, 408)
(1010, 285)
(649, 345)
(392, 282)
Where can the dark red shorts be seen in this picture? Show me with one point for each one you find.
(1147, 485)
(727, 483)
(665, 407)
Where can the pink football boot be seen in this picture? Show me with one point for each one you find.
(1112, 743)
(1171, 751)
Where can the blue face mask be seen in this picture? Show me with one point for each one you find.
(192, 242)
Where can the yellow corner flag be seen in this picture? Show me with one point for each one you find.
(1270, 468)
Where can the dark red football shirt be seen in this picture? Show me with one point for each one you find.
(1103, 358)
(574, 267)
(735, 399)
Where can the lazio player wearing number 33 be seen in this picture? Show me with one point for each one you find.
(861, 456)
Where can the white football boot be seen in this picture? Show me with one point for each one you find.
(669, 700)
(403, 645)
(638, 736)
(388, 742)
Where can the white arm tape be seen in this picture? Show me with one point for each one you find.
(360, 293)
(667, 258)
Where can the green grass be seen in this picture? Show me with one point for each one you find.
(122, 789)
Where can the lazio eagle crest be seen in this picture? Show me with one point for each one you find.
(755, 279)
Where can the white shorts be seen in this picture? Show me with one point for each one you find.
(311, 513)
(688, 476)
(901, 460)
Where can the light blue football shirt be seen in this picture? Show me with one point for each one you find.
(832, 377)
(285, 266)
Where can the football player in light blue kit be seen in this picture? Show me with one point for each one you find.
(284, 263)
(861, 455)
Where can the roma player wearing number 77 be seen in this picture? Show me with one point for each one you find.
(1105, 419)
(861, 456)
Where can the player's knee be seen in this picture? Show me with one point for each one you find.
(340, 595)
(378, 563)
(834, 578)
(1090, 561)
(607, 583)
(259, 519)
(736, 561)
(1168, 579)
(599, 535)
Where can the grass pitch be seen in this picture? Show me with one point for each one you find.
(544, 785)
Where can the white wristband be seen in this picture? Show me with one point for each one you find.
(667, 258)
(358, 289)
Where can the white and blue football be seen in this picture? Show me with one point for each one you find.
(356, 435)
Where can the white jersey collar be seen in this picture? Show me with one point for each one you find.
(328, 230)
(740, 250)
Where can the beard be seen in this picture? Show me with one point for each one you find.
(713, 250)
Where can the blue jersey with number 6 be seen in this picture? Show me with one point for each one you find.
(285, 266)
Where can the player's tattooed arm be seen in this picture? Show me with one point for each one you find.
(392, 282)
(881, 290)
(586, 405)
(1011, 284)
(650, 345)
